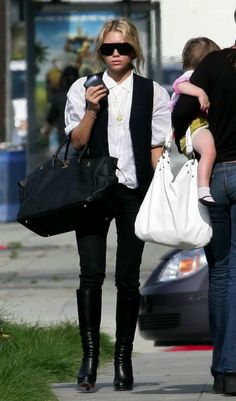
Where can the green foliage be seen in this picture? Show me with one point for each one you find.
(32, 357)
(14, 247)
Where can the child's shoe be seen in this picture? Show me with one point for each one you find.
(204, 196)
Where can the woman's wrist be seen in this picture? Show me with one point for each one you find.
(91, 113)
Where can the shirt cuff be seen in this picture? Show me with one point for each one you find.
(70, 127)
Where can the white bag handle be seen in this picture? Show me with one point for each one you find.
(189, 146)
(171, 213)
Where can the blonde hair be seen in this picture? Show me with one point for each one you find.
(130, 34)
(195, 50)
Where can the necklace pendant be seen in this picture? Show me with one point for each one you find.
(119, 117)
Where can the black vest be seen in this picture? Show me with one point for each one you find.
(140, 128)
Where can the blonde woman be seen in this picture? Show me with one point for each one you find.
(128, 118)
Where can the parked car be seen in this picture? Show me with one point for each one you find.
(170, 72)
(174, 300)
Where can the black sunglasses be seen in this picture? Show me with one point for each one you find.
(124, 49)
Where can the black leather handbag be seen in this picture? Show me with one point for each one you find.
(58, 192)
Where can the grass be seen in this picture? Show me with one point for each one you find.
(33, 357)
(14, 247)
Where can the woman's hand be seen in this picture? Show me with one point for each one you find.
(93, 95)
(81, 133)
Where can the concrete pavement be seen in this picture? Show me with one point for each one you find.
(38, 279)
(159, 376)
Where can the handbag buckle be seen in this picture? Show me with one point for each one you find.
(191, 156)
(165, 150)
(65, 163)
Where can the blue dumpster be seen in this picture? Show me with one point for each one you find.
(12, 170)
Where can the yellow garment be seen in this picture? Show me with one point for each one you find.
(54, 77)
(195, 126)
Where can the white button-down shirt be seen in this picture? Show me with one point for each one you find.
(119, 137)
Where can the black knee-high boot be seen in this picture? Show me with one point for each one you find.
(89, 310)
(126, 319)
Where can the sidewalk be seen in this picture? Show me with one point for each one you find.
(38, 283)
(159, 376)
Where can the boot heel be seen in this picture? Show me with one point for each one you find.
(123, 380)
(87, 375)
(86, 383)
(230, 383)
(218, 386)
(127, 307)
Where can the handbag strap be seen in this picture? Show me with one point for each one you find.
(189, 145)
(66, 142)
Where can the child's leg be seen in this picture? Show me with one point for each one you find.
(203, 143)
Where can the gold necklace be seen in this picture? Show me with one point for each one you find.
(118, 106)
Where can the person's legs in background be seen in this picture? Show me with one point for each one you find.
(221, 256)
(129, 256)
(229, 348)
(217, 253)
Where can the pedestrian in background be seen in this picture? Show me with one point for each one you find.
(53, 78)
(55, 115)
(216, 75)
(130, 123)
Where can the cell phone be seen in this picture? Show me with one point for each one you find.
(94, 80)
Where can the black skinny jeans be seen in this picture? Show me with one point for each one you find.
(92, 238)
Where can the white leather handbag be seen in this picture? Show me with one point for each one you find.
(171, 213)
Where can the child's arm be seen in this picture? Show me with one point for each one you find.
(186, 88)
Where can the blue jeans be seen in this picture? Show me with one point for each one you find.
(221, 257)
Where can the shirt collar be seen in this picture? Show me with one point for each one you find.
(110, 83)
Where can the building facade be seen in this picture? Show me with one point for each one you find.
(182, 20)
